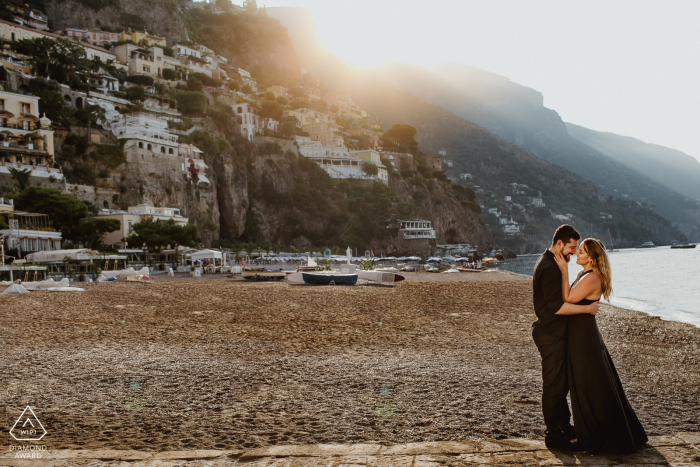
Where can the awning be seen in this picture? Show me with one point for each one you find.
(201, 178)
(206, 254)
(58, 255)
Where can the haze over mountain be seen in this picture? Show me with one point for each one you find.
(673, 168)
(511, 111)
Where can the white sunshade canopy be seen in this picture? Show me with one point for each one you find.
(206, 254)
(58, 255)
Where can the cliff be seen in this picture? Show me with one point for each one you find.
(266, 195)
(160, 17)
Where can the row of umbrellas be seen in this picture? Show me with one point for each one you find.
(284, 259)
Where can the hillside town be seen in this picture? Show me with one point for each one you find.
(125, 95)
(138, 98)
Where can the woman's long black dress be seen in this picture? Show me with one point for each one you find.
(603, 418)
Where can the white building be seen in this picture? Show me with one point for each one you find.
(337, 161)
(247, 79)
(28, 232)
(414, 229)
(537, 202)
(183, 50)
(134, 215)
(251, 123)
(146, 133)
(511, 229)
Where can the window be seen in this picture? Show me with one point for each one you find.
(26, 108)
(147, 69)
(140, 145)
(170, 151)
(25, 125)
(150, 148)
(162, 149)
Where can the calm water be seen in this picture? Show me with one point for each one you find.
(658, 281)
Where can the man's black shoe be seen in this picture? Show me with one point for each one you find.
(569, 432)
(561, 444)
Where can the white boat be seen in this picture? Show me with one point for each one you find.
(450, 271)
(380, 276)
(647, 245)
(387, 270)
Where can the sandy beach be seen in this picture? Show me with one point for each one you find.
(220, 363)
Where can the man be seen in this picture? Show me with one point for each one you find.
(549, 334)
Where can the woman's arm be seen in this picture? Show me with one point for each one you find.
(571, 309)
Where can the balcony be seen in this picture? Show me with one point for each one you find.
(37, 170)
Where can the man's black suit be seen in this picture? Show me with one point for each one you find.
(549, 334)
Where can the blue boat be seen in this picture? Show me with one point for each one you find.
(329, 278)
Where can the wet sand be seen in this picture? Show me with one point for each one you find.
(220, 363)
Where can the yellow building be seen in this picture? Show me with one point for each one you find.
(142, 61)
(136, 37)
(26, 140)
(21, 128)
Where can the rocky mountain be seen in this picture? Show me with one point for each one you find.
(161, 17)
(674, 169)
(509, 110)
(494, 162)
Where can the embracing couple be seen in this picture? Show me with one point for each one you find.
(574, 356)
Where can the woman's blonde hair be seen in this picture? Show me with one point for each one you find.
(595, 249)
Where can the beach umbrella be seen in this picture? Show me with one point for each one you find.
(462, 260)
(433, 260)
(413, 258)
(448, 258)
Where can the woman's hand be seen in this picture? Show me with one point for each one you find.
(561, 262)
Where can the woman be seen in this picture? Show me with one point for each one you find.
(603, 417)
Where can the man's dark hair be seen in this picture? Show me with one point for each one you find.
(565, 233)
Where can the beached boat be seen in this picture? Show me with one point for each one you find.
(647, 245)
(471, 269)
(329, 278)
(256, 275)
(380, 276)
(683, 245)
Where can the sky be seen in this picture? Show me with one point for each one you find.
(630, 67)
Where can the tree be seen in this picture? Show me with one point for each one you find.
(92, 228)
(90, 115)
(51, 102)
(135, 93)
(141, 80)
(158, 234)
(282, 100)
(59, 59)
(64, 210)
(247, 89)
(194, 84)
(370, 169)
(271, 109)
(404, 135)
(190, 102)
(169, 74)
(22, 177)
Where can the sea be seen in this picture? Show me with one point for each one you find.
(659, 281)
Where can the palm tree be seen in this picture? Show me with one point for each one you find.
(21, 177)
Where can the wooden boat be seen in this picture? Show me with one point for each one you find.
(683, 245)
(258, 275)
(380, 276)
(329, 278)
(471, 269)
